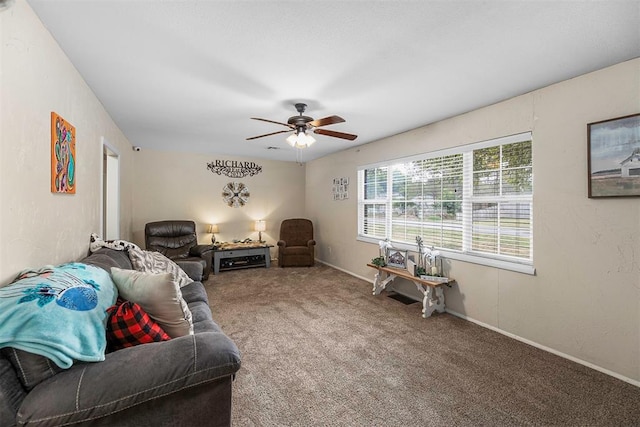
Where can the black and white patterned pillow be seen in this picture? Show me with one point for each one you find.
(155, 262)
(118, 245)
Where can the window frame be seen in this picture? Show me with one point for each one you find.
(505, 262)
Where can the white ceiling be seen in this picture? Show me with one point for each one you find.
(188, 75)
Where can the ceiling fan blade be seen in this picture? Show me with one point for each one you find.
(326, 121)
(268, 134)
(271, 121)
(335, 134)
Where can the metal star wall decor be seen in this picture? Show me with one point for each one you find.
(235, 194)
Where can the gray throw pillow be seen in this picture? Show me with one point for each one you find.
(159, 295)
(155, 262)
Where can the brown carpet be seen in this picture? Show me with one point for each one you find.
(318, 349)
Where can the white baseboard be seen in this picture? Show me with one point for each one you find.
(545, 348)
(515, 337)
(366, 279)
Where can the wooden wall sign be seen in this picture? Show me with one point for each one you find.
(234, 168)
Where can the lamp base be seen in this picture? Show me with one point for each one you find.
(213, 239)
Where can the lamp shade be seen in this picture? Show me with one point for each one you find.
(213, 228)
(260, 225)
(300, 139)
(292, 139)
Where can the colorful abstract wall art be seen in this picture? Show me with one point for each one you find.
(63, 155)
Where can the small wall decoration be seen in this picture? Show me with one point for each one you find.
(340, 188)
(233, 168)
(235, 194)
(63, 155)
(614, 157)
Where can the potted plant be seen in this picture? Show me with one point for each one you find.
(378, 261)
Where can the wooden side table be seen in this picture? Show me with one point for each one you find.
(433, 292)
(241, 255)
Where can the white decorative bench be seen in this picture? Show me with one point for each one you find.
(433, 293)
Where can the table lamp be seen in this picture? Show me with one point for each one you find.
(260, 226)
(213, 229)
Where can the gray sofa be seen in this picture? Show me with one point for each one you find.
(185, 381)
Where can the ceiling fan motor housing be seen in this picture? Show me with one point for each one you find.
(300, 121)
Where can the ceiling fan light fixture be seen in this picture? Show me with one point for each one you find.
(300, 139)
(305, 140)
(292, 139)
(310, 140)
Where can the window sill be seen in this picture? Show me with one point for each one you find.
(458, 256)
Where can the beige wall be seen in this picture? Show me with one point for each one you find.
(36, 226)
(584, 301)
(174, 185)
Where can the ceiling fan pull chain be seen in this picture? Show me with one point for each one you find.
(298, 156)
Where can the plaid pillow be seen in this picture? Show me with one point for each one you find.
(129, 325)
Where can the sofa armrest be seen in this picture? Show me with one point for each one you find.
(311, 243)
(194, 269)
(200, 250)
(282, 243)
(129, 377)
(204, 252)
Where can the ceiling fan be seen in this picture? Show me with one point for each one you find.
(300, 125)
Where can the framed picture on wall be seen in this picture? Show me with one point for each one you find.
(63, 155)
(613, 150)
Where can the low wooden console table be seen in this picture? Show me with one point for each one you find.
(433, 293)
(232, 256)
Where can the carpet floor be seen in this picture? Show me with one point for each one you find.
(319, 350)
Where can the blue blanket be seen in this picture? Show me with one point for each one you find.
(58, 312)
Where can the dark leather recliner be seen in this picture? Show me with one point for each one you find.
(296, 247)
(177, 241)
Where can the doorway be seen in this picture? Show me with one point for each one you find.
(110, 192)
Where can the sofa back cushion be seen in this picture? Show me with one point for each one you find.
(30, 368)
(11, 391)
(106, 258)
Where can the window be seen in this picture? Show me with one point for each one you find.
(473, 202)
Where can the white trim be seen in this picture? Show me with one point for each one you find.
(106, 145)
(466, 252)
(366, 279)
(510, 139)
(458, 256)
(491, 262)
(545, 348)
(518, 137)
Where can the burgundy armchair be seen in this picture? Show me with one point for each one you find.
(296, 247)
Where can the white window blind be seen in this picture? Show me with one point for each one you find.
(476, 199)
(372, 198)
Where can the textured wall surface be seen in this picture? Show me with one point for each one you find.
(36, 78)
(174, 185)
(584, 300)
